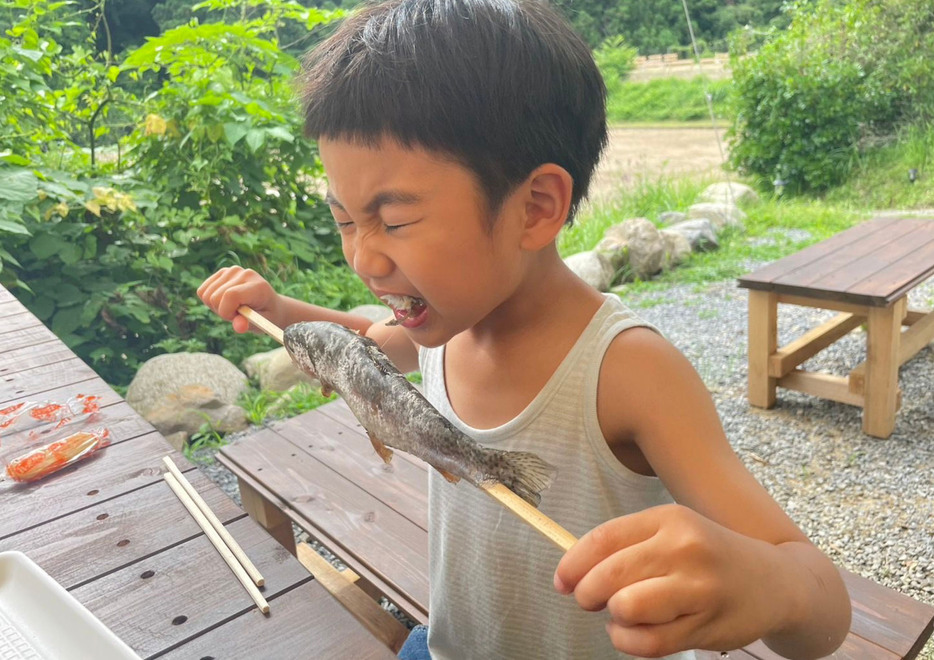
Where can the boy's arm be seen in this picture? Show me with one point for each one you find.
(229, 288)
(719, 572)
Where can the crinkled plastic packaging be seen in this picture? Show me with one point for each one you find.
(50, 458)
(28, 414)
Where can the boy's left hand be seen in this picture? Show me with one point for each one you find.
(674, 580)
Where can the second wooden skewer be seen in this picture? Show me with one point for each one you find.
(217, 542)
(218, 526)
(542, 523)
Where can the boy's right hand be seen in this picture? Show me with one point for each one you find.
(229, 288)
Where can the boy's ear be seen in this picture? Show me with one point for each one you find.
(547, 202)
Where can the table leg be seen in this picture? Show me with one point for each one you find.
(763, 342)
(268, 515)
(885, 325)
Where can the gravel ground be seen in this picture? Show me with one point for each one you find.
(867, 503)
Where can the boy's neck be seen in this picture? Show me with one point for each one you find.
(495, 369)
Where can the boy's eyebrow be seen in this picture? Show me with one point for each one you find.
(379, 200)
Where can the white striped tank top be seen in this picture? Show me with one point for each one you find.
(492, 595)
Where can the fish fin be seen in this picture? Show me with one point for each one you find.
(452, 478)
(524, 473)
(384, 452)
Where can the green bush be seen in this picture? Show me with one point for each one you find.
(813, 96)
(212, 171)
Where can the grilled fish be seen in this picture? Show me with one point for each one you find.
(395, 414)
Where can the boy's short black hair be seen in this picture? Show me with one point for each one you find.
(500, 86)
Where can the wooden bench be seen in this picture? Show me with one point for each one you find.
(865, 273)
(319, 471)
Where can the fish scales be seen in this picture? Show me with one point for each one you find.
(395, 414)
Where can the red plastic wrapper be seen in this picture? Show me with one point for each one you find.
(29, 414)
(50, 458)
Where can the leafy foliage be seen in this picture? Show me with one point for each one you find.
(840, 77)
(107, 228)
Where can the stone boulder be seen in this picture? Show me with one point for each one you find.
(699, 233)
(179, 392)
(672, 217)
(677, 248)
(593, 267)
(643, 245)
(275, 372)
(720, 215)
(728, 193)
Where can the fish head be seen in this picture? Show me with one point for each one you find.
(305, 345)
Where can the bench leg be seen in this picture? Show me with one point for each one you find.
(268, 515)
(882, 363)
(763, 342)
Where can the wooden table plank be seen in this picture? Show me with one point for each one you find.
(48, 354)
(911, 248)
(835, 266)
(25, 337)
(890, 618)
(144, 603)
(14, 318)
(113, 471)
(302, 623)
(764, 277)
(400, 485)
(375, 535)
(78, 547)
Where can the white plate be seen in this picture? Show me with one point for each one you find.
(40, 620)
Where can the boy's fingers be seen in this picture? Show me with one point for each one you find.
(240, 324)
(652, 641)
(620, 570)
(651, 602)
(601, 542)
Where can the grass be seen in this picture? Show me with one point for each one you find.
(667, 100)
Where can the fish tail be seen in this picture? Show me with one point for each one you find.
(522, 472)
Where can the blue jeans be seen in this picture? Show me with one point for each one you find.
(416, 645)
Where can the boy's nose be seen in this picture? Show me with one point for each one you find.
(367, 260)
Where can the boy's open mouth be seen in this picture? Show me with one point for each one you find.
(406, 308)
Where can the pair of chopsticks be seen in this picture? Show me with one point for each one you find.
(220, 538)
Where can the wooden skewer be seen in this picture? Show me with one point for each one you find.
(218, 543)
(261, 322)
(218, 526)
(532, 516)
(542, 523)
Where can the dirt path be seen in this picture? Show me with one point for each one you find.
(647, 154)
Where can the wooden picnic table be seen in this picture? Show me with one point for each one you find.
(319, 471)
(865, 273)
(112, 533)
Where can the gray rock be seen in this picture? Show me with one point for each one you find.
(592, 267)
(721, 215)
(671, 217)
(645, 246)
(179, 392)
(275, 372)
(699, 232)
(677, 248)
(728, 193)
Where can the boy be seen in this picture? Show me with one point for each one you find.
(458, 137)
